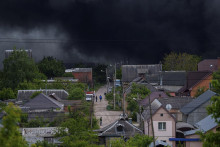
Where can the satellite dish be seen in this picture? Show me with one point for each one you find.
(168, 107)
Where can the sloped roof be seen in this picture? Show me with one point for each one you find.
(24, 95)
(206, 96)
(82, 70)
(152, 97)
(128, 129)
(169, 78)
(155, 105)
(175, 102)
(203, 125)
(41, 101)
(66, 102)
(208, 64)
(194, 78)
(180, 125)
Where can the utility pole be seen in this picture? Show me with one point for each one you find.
(114, 85)
(106, 71)
(152, 125)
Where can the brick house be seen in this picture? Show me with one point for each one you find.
(196, 80)
(84, 75)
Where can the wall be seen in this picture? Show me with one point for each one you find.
(50, 116)
(84, 77)
(204, 83)
(198, 114)
(170, 131)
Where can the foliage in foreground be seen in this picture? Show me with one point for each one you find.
(136, 141)
(9, 134)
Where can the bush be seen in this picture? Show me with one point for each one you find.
(35, 94)
(6, 93)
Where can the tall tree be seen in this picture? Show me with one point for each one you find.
(51, 67)
(18, 67)
(180, 61)
(9, 134)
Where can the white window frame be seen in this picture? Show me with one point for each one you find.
(162, 126)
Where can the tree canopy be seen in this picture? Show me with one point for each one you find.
(9, 134)
(51, 67)
(180, 61)
(18, 67)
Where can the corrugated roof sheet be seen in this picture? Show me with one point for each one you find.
(206, 96)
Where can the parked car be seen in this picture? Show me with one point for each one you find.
(90, 95)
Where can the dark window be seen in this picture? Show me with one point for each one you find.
(162, 126)
(48, 139)
(161, 114)
(120, 128)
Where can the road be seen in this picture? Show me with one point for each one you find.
(100, 109)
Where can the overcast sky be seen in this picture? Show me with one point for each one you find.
(140, 31)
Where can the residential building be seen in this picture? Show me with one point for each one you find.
(84, 75)
(196, 80)
(209, 65)
(117, 129)
(130, 72)
(44, 107)
(32, 135)
(168, 81)
(25, 95)
(164, 123)
(195, 110)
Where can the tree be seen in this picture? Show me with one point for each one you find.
(76, 94)
(9, 134)
(136, 141)
(6, 93)
(51, 67)
(180, 61)
(18, 67)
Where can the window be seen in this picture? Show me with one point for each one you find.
(48, 139)
(161, 126)
(161, 114)
(120, 128)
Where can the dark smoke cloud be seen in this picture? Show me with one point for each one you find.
(104, 30)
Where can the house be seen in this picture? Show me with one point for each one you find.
(175, 104)
(32, 135)
(44, 107)
(130, 72)
(164, 123)
(196, 109)
(209, 65)
(196, 80)
(117, 129)
(191, 138)
(84, 75)
(25, 95)
(170, 81)
(73, 104)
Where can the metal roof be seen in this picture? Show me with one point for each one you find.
(190, 107)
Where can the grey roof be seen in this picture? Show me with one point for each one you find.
(204, 125)
(155, 105)
(24, 95)
(152, 97)
(180, 125)
(66, 102)
(175, 102)
(42, 101)
(129, 129)
(169, 78)
(130, 72)
(190, 107)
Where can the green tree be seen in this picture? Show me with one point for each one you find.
(9, 134)
(6, 93)
(76, 94)
(136, 141)
(180, 61)
(18, 67)
(119, 73)
(51, 67)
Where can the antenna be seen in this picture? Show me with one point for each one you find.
(168, 107)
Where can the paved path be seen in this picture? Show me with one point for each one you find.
(100, 109)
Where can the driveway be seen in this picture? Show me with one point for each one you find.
(108, 117)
